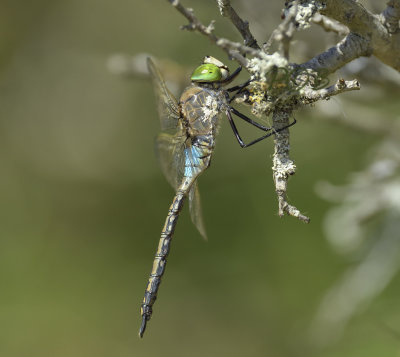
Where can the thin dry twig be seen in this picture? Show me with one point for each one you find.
(283, 167)
(196, 25)
(330, 25)
(312, 95)
(283, 34)
(228, 11)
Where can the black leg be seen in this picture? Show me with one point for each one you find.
(238, 87)
(235, 131)
(252, 122)
(239, 139)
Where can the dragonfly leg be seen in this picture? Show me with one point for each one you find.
(240, 140)
(235, 131)
(239, 86)
(239, 89)
(250, 121)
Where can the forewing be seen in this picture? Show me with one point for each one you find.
(195, 210)
(167, 105)
(176, 160)
(170, 154)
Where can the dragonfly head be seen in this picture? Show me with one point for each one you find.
(211, 70)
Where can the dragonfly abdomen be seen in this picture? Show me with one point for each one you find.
(163, 249)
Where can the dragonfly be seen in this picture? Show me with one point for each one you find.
(185, 146)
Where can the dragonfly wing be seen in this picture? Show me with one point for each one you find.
(170, 154)
(195, 210)
(194, 166)
(168, 109)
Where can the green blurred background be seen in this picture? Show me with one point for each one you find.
(83, 200)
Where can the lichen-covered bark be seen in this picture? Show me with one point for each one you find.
(379, 30)
(368, 34)
(283, 166)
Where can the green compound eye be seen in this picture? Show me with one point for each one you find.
(206, 73)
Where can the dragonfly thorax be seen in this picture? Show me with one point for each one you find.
(201, 106)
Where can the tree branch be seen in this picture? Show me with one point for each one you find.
(382, 43)
(350, 13)
(279, 88)
(391, 16)
(283, 166)
(283, 34)
(228, 11)
(330, 25)
(196, 25)
(311, 95)
(351, 47)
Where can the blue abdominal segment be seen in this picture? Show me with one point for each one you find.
(193, 161)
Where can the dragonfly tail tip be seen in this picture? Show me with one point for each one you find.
(142, 326)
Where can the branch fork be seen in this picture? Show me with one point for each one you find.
(364, 34)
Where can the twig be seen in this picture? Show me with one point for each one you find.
(311, 95)
(330, 25)
(372, 28)
(391, 16)
(284, 33)
(234, 47)
(283, 166)
(351, 14)
(228, 11)
(196, 25)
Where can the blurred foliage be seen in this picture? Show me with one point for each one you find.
(83, 200)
